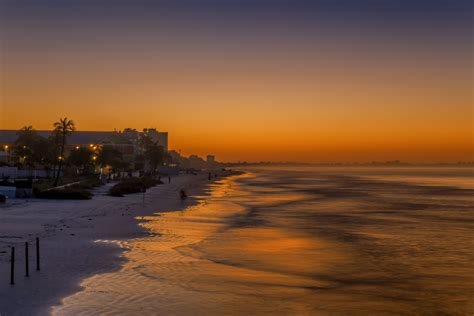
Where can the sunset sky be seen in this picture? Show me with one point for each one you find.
(321, 80)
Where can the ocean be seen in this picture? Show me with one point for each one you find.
(302, 241)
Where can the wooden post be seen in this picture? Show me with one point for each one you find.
(37, 254)
(27, 261)
(12, 268)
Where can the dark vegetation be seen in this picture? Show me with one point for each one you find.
(65, 194)
(62, 129)
(73, 171)
(133, 185)
(50, 153)
(77, 191)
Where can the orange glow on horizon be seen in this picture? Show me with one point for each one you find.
(248, 96)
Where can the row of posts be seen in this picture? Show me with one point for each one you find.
(27, 261)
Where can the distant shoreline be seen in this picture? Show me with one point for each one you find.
(355, 164)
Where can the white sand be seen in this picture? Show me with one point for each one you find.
(69, 231)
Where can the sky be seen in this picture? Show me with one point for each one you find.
(279, 80)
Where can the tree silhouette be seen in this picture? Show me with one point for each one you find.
(25, 144)
(110, 156)
(31, 149)
(155, 156)
(152, 152)
(63, 128)
(81, 157)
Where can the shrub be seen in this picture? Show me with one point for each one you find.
(133, 185)
(65, 194)
(80, 191)
(88, 184)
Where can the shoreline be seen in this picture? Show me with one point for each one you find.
(79, 239)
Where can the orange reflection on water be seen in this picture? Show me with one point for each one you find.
(307, 244)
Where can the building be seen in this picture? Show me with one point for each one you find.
(161, 138)
(127, 142)
(8, 137)
(211, 158)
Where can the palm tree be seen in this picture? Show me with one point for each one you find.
(25, 128)
(62, 128)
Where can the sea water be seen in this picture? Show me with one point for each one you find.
(302, 241)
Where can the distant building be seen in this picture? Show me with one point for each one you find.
(127, 142)
(161, 138)
(211, 158)
(82, 138)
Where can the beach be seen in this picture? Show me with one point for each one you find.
(71, 235)
(301, 241)
(270, 241)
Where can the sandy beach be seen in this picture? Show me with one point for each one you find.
(70, 234)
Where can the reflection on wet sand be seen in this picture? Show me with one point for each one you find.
(302, 241)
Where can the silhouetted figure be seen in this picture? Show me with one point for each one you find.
(209, 176)
(183, 194)
(169, 179)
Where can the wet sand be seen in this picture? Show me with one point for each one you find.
(302, 242)
(78, 239)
